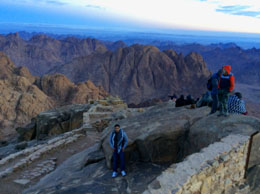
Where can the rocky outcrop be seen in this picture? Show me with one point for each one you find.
(139, 72)
(23, 96)
(154, 138)
(57, 121)
(53, 122)
(20, 99)
(60, 88)
(42, 52)
(160, 136)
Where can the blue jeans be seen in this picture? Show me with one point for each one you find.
(117, 156)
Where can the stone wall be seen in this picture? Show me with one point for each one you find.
(216, 169)
(255, 150)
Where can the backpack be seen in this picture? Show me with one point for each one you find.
(209, 84)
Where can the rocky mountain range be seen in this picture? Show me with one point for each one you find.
(140, 72)
(100, 61)
(245, 62)
(41, 52)
(23, 95)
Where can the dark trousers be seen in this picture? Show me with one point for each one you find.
(117, 156)
(215, 103)
(223, 101)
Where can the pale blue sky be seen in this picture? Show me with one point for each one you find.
(213, 15)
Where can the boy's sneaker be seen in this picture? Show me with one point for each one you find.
(114, 174)
(123, 173)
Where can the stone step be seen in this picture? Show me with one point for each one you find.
(104, 109)
(92, 117)
(99, 115)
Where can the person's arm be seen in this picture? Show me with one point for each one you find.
(214, 83)
(232, 83)
(242, 107)
(111, 140)
(125, 140)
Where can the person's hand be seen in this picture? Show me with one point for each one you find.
(123, 149)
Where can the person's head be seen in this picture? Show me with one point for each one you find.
(174, 97)
(182, 97)
(117, 127)
(219, 73)
(189, 97)
(239, 95)
(226, 69)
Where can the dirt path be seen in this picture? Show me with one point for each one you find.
(44, 165)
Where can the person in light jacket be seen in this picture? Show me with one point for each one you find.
(118, 142)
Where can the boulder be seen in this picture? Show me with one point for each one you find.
(53, 122)
(21, 146)
(58, 121)
(157, 135)
(28, 132)
(212, 128)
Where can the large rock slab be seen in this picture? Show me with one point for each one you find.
(158, 135)
(212, 128)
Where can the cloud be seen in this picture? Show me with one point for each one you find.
(248, 13)
(95, 7)
(243, 10)
(53, 2)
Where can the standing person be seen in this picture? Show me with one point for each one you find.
(214, 91)
(226, 85)
(118, 142)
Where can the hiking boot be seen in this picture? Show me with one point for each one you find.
(114, 174)
(123, 173)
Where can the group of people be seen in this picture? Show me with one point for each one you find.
(220, 86)
(218, 97)
(181, 101)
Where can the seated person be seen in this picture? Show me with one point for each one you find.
(180, 101)
(190, 100)
(236, 105)
(206, 100)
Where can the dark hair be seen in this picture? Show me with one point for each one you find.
(117, 125)
(219, 72)
(239, 95)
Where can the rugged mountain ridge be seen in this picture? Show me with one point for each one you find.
(42, 52)
(23, 96)
(140, 72)
(245, 62)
